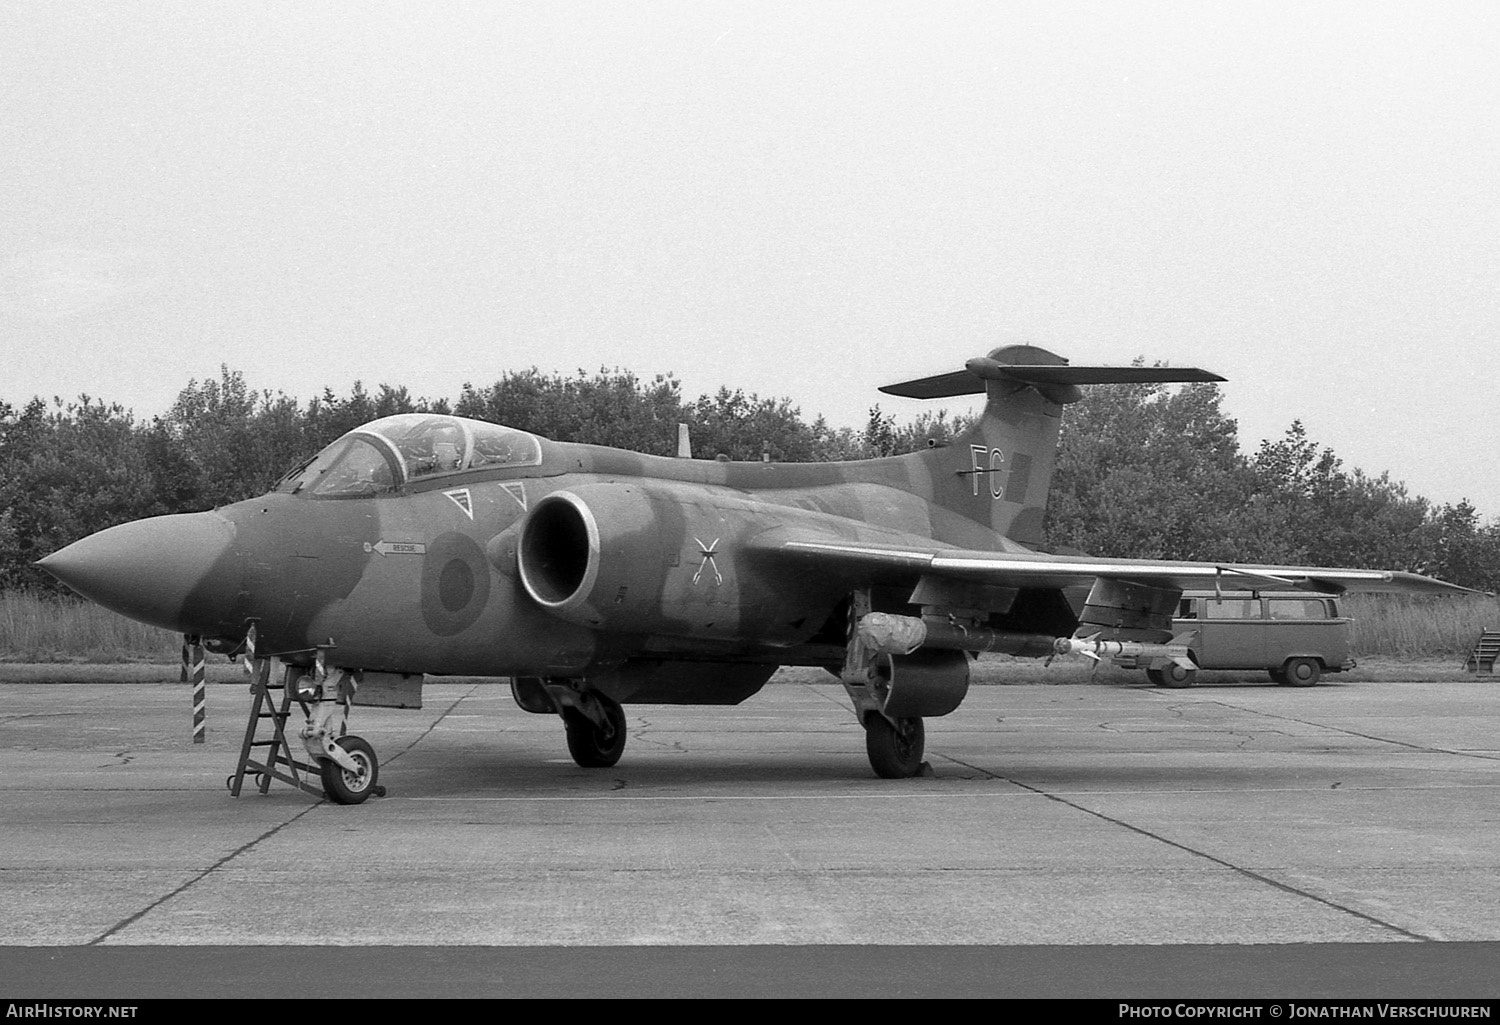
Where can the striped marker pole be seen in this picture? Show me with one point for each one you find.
(200, 699)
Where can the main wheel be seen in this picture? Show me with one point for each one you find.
(895, 750)
(591, 746)
(343, 786)
(1302, 672)
(1172, 675)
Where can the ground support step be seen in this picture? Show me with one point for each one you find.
(281, 762)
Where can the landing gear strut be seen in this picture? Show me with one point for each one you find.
(347, 763)
(895, 739)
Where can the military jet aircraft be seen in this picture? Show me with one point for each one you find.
(595, 577)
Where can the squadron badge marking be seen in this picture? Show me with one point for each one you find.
(708, 552)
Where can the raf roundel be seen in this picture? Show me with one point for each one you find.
(455, 584)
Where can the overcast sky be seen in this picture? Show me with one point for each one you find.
(798, 199)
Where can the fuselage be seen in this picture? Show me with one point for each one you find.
(433, 544)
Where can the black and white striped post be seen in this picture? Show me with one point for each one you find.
(199, 674)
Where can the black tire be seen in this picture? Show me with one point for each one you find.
(1174, 676)
(590, 746)
(343, 786)
(895, 750)
(1302, 672)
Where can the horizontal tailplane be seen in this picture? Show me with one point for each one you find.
(1046, 371)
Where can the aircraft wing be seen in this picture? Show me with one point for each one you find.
(1036, 569)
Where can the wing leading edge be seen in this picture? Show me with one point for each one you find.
(1036, 569)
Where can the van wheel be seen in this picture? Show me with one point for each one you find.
(1172, 675)
(1302, 672)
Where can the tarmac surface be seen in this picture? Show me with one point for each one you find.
(1245, 840)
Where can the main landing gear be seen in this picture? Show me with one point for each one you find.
(895, 746)
(595, 723)
(892, 693)
(596, 745)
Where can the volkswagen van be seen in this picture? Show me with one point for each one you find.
(1294, 636)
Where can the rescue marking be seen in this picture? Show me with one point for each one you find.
(708, 552)
(384, 548)
(516, 490)
(463, 500)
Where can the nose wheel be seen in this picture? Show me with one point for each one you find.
(352, 786)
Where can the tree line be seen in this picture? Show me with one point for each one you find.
(1143, 470)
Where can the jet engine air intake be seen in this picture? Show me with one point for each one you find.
(559, 551)
(596, 556)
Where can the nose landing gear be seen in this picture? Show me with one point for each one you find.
(344, 764)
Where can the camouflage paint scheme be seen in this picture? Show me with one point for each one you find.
(654, 578)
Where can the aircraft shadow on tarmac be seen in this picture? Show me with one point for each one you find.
(443, 775)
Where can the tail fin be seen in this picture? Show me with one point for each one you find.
(998, 472)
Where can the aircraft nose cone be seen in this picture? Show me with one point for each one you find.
(150, 570)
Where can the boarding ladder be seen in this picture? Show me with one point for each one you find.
(1486, 650)
(282, 761)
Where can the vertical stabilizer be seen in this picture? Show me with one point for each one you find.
(998, 472)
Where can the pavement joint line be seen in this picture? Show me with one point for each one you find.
(433, 725)
(132, 919)
(1240, 869)
(127, 922)
(1363, 736)
(826, 692)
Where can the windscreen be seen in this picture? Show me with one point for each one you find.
(349, 468)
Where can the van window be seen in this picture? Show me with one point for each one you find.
(1231, 608)
(1296, 608)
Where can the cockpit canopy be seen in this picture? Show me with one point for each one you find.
(387, 454)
